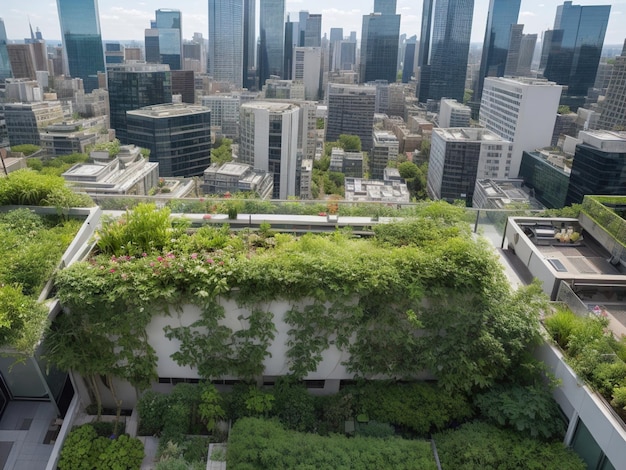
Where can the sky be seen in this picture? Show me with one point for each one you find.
(123, 20)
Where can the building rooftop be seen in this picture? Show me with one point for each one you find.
(468, 134)
(169, 110)
(272, 106)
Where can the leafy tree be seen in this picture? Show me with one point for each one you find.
(112, 147)
(222, 151)
(425, 150)
(467, 96)
(564, 109)
(319, 123)
(408, 170)
(350, 143)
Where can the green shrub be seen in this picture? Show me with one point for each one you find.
(151, 408)
(293, 405)
(530, 410)
(480, 446)
(26, 187)
(376, 429)
(259, 444)
(211, 405)
(123, 453)
(560, 325)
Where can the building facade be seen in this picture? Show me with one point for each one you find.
(224, 114)
(177, 135)
(5, 65)
(307, 68)
(379, 47)
(237, 177)
(82, 41)
(133, 86)
(271, 41)
(25, 121)
(454, 114)
(226, 41)
(269, 142)
(522, 111)
(169, 24)
(351, 111)
(614, 105)
(547, 175)
(249, 44)
(575, 48)
(444, 46)
(384, 149)
(502, 14)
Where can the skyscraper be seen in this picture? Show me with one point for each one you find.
(614, 104)
(444, 46)
(5, 65)
(272, 36)
(82, 41)
(408, 64)
(226, 41)
(385, 7)
(133, 86)
(379, 47)
(249, 44)
(502, 14)
(169, 24)
(313, 31)
(292, 34)
(575, 53)
(351, 111)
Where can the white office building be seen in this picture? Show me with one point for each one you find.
(522, 111)
(224, 113)
(269, 141)
(454, 114)
(307, 66)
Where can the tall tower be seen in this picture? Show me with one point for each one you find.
(226, 41)
(313, 31)
(272, 36)
(82, 41)
(249, 44)
(575, 48)
(169, 24)
(379, 43)
(5, 65)
(444, 46)
(614, 104)
(501, 16)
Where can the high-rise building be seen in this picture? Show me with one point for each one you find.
(408, 63)
(385, 7)
(599, 165)
(379, 47)
(526, 53)
(384, 149)
(313, 31)
(113, 53)
(502, 14)
(575, 50)
(269, 142)
(134, 86)
(522, 111)
(292, 33)
(82, 41)
(195, 54)
(307, 65)
(184, 84)
(444, 47)
(336, 36)
(22, 59)
(459, 156)
(347, 55)
(224, 114)
(249, 44)
(177, 135)
(5, 65)
(169, 24)
(272, 37)
(614, 104)
(275, 88)
(351, 111)
(226, 41)
(515, 45)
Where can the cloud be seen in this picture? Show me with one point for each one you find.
(527, 13)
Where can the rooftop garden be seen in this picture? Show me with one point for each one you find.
(593, 352)
(608, 212)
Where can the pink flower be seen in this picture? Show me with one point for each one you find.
(194, 255)
(210, 261)
(112, 270)
(221, 263)
(159, 258)
(206, 216)
(152, 264)
(144, 254)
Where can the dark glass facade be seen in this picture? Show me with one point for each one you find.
(444, 46)
(501, 15)
(169, 24)
(179, 141)
(5, 65)
(408, 65)
(272, 36)
(135, 86)
(548, 182)
(82, 41)
(313, 31)
(597, 171)
(575, 51)
(249, 43)
(386, 7)
(379, 48)
(351, 111)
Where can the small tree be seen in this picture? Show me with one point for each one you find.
(211, 405)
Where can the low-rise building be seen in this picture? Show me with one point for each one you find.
(454, 114)
(348, 163)
(237, 177)
(503, 194)
(391, 191)
(546, 173)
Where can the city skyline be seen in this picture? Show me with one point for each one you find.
(119, 22)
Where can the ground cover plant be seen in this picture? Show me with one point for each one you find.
(593, 352)
(265, 444)
(31, 248)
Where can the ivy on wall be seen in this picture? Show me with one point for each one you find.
(421, 294)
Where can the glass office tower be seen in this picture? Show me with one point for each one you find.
(226, 41)
(444, 46)
(169, 24)
(501, 15)
(249, 44)
(82, 41)
(272, 37)
(575, 47)
(379, 47)
(5, 65)
(386, 7)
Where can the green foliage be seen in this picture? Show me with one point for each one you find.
(599, 210)
(259, 404)
(26, 187)
(530, 410)
(350, 143)
(210, 408)
(418, 407)
(58, 165)
(85, 450)
(222, 151)
(376, 429)
(564, 109)
(26, 149)
(151, 408)
(569, 211)
(408, 170)
(479, 446)
(259, 444)
(319, 123)
(293, 405)
(561, 324)
(112, 147)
